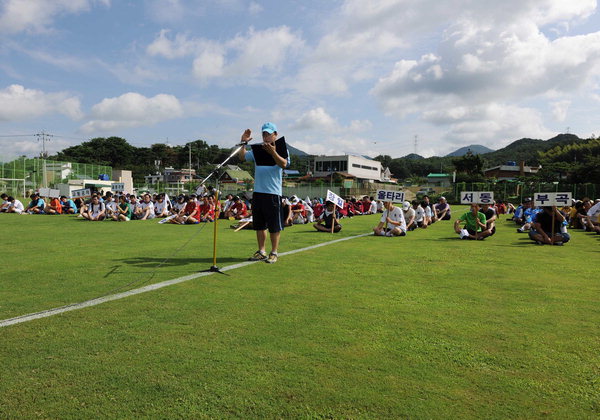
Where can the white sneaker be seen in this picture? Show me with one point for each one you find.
(464, 234)
(382, 233)
(389, 234)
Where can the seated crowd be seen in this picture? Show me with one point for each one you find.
(477, 224)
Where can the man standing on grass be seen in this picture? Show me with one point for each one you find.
(266, 200)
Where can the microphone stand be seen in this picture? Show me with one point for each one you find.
(214, 268)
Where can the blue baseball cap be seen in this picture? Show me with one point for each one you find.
(269, 128)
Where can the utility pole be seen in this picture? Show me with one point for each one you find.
(44, 137)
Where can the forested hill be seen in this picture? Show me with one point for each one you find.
(527, 150)
(118, 153)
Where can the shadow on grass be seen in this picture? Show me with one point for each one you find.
(149, 262)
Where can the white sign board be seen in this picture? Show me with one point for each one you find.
(82, 193)
(118, 187)
(390, 195)
(478, 197)
(338, 201)
(49, 192)
(552, 199)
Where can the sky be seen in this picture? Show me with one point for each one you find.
(336, 77)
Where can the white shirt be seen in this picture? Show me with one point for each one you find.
(419, 214)
(396, 215)
(409, 214)
(17, 205)
(160, 207)
(143, 205)
(373, 208)
(594, 212)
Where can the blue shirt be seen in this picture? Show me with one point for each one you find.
(267, 179)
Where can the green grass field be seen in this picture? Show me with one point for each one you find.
(425, 326)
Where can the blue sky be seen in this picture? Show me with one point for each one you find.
(336, 76)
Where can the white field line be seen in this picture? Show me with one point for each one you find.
(93, 302)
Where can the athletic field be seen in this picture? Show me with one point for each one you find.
(425, 326)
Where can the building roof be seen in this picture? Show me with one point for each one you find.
(239, 175)
(511, 168)
(432, 175)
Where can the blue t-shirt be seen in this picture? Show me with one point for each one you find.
(267, 179)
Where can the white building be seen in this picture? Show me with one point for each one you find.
(358, 166)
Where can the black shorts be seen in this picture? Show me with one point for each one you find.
(266, 212)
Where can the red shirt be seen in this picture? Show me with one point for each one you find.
(55, 202)
(207, 208)
(240, 208)
(191, 208)
(300, 207)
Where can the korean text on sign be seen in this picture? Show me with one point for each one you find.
(389, 195)
(552, 199)
(479, 197)
(338, 201)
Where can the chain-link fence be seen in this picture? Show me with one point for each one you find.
(21, 175)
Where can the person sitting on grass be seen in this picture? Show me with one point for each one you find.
(519, 216)
(392, 221)
(475, 223)
(226, 206)
(298, 212)
(328, 219)
(124, 211)
(409, 216)
(541, 228)
(207, 209)
(420, 218)
(594, 218)
(68, 205)
(112, 207)
(36, 205)
(160, 206)
(286, 212)
(95, 210)
(190, 214)
(490, 220)
(14, 206)
(442, 209)
(55, 207)
(145, 209)
(238, 210)
(5, 203)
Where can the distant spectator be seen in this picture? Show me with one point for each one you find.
(124, 211)
(5, 203)
(36, 205)
(442, 209)
(420, 219)
(15, 206)
(286, 211)
(68, 205)
(207, 209)
(298, 212)
(490, 220)
(238, 210)
(112, 207)
(95, 210)
(373, 206)
(145, 209)
(409, 216)
(593, 220)
(328, 219)
(54, 207)
(475, 223)
(542, 227)
(160, 206)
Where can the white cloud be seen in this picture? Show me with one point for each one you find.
(37, 16)
(316, 119)
(19, 103)
(132, 110)
(560, 110)
(250, 55)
